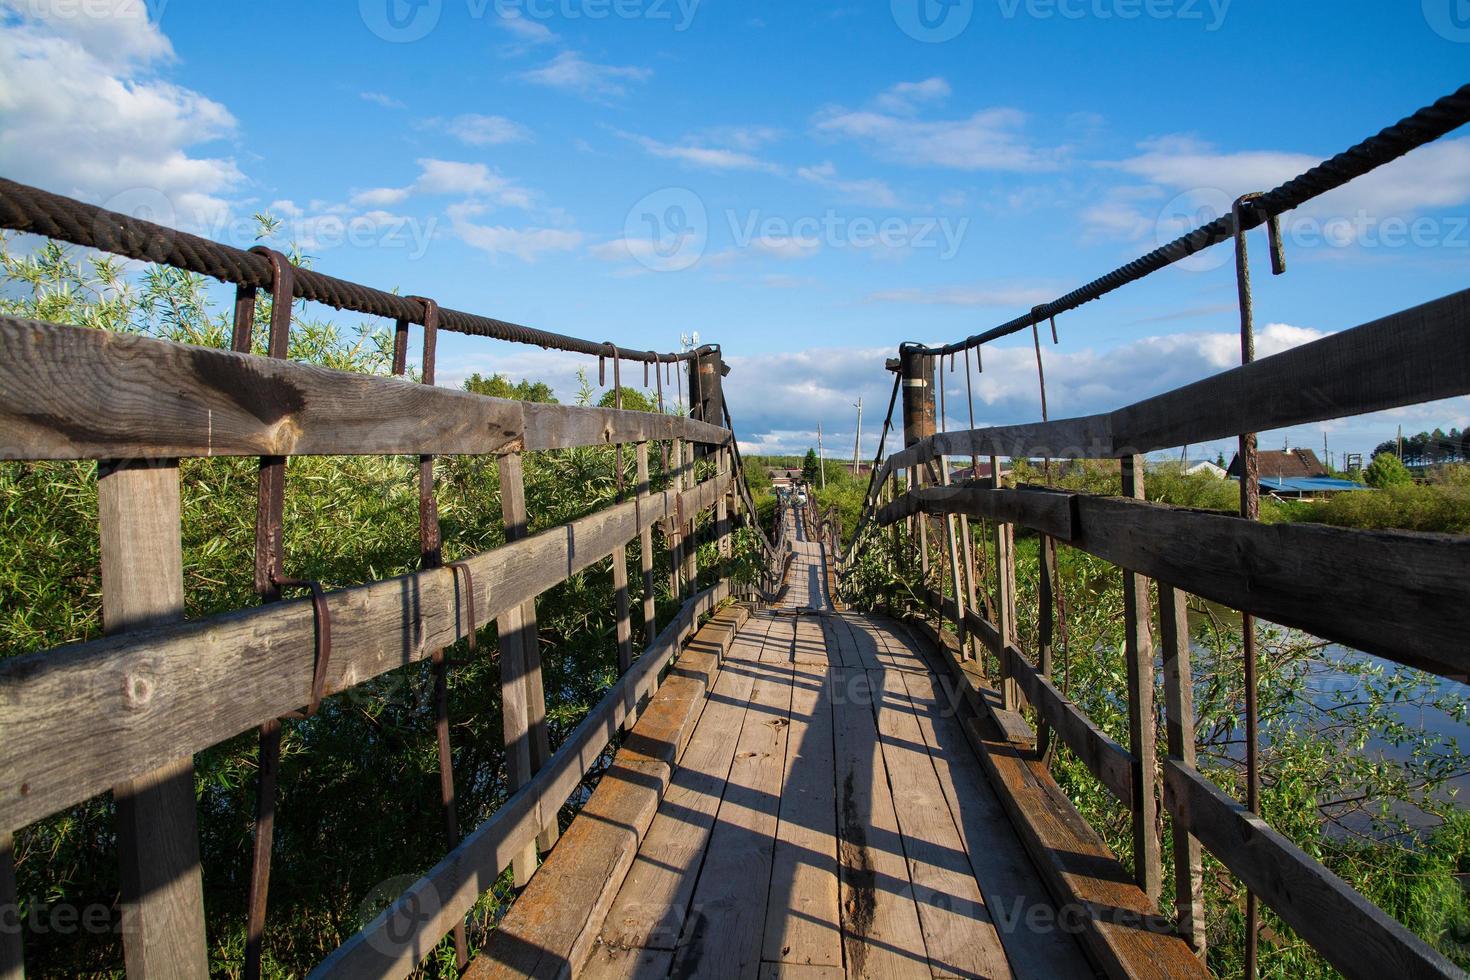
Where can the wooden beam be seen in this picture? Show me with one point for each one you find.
(1350, 932)
(1189, 894)
(645, 549)
(516, 628)
(80, 393)
(1142, 745)
(1106, 759)
(141, 700)
(1048, 511)
(1406, 358)
(396, 941)
(157, 826)
(1292, 573)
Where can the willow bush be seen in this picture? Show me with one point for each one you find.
(358, 808)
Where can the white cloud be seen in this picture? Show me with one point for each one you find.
(382, 99)
(450, 178)
(905, 97)
(1202, 182)
(987, 140)
(86, 113)
(527, 33)
(497, 240)
(477, 130)
(570, 72)
(1022, 297)
(870, 191)
(703, 157)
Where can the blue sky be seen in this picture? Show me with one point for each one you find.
(806, 184)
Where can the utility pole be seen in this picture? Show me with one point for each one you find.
(821, 457)
(857, 441)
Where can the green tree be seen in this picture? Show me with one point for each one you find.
(1386, 471)
(633, 400)
(811, 467)
(499, 386)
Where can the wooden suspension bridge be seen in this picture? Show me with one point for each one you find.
(795, 787)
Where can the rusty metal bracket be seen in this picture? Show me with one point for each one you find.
(322, 613)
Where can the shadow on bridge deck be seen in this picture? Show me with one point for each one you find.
(827, 818)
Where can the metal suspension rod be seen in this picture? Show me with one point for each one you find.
(30, 209)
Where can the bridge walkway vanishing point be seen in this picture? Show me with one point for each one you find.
(827, 817)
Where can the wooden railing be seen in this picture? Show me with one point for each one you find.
(156, 690)
(1403, 596)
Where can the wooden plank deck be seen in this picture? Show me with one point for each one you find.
(829, 818)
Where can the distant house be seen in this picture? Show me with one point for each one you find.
(1294, 473)
(1204, 467)
(1190, 467)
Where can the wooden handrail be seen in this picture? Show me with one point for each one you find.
(405, 932)
(78, 393)
(1290, 574)
(1405, 358)
(141, 699)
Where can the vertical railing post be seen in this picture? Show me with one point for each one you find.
(523, 700)
(916, 371)
(674, 528)
(138, 514)
(722, 506)
(12, 952)
(1147, 870)
(1046, 630)
(1189, 898)
(645, 548)
(1005, 597)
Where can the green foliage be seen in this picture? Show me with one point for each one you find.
(1430, 448)
(634, 400)
(499, 386)
(844, 492)
(358, 804)
(1443, 508)
(811, 467)
(1352, 773)
(1386, 471)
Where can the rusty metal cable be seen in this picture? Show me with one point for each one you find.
(29, 209)
(1409, 133)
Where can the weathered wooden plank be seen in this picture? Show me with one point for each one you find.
(653, 898)
(1292, 574)
(959, 935)
(1008, 883)
(516, 628)
(1350, 932)
(406, 931)
(803, 923)
(723, 935)
(645, 548)
(157, 826)
(1096, 899)
(80, 393)
(131, 700)
(1189, 895)
(611, 963)
(551, 928)
(1048, 511)
(882, 936)
(1142, 743)
(1405, 358)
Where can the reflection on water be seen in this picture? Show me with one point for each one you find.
(1338, 677)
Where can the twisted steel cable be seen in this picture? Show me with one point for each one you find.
(1412, 132)
(30, 209)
